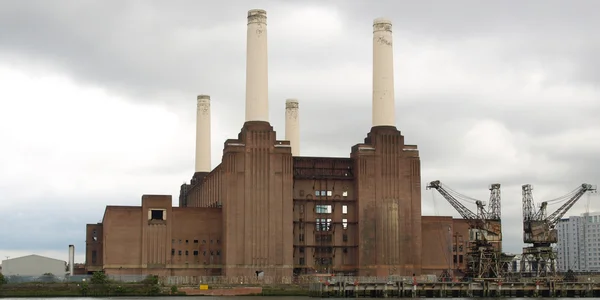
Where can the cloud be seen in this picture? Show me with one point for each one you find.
(98, 99)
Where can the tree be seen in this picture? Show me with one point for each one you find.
(3, 279)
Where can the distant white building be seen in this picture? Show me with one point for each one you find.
(33, 265)
(578, 246)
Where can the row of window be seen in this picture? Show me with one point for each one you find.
(323, 238)
(325, 209)
(329, 193)
(196, 252)
(194, 241)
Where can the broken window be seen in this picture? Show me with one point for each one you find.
(195, 241)
(179, 252)
(301, 249)
(172, 252)
(323, 225)
(345, 193)
(323, 209)
(157, 214)
(186, 252)
(345, 223)
(195, 252)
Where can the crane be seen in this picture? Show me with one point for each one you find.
(539, 230)
(484, 258)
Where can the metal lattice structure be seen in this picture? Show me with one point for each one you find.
(484, 256)
(539, 260)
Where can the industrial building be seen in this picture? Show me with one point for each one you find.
(578, 243)
(266, 209)
(34, 266)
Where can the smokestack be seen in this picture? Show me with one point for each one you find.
(71, 260)
(292, 125)
(203, 134)
(384, 113)
(257, 101)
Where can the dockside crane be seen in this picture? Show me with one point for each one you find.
(539, 260)
(484, 257)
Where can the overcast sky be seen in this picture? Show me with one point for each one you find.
(98, 99)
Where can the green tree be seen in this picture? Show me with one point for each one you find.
(3, 279)
(99, 278)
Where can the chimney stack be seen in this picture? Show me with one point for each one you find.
(257, 101)
(203, 134)
(384, 113)
(292, 125)
(71, 260)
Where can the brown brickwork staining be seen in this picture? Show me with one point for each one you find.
(389, 196)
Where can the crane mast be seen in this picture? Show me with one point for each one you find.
(539, 230)
(484, 257)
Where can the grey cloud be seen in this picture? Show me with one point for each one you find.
(154, 51)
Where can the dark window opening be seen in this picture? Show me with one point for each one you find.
(156, 214)
(195, 241)
(94, 256)
(301, 249)
(218, 252)
(345, 237)
(301, 262)
(172, 252)
(345, 250)
(187, 241)
(454, 259)
(179, 252)
(204, 253)
(218, 241)
(212, 252)
(460, 259)
(187, 252)
(301, 237)
(195, 252)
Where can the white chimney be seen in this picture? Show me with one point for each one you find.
(257, 101)
(203, 134)
(384, 113)
(71, 260)
(292, 125)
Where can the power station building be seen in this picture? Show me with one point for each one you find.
(265, 208)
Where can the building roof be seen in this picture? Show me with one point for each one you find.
(33, 255)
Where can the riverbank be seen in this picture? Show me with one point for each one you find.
(47, 290)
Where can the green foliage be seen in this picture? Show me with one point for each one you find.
(3, 279)
(99, 278)
(85, 288)
(150, 280)
(174, 289)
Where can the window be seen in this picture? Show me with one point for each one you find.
(218, 252)
(157, 214)
(301, 249)
(345, 250)
(195, 252)
(195, 241)
(301, 261)
(301, 237)
(345, 193)
(94, 256)
(345, 223)
(323, 209)
(318, 193)
(179, 252)
(344, 209)
(172, 252)
(323, 225)
(345, 237)
(301, 207)
(187, 241)
(186, 252)
(329, 193)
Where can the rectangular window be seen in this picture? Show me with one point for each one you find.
(345, 223)
(344, 209)
(323, 209)
(323, 225)
(172, 252)
(301, 261)
(317, 193)
(345, 194)
(345, 237)
(301, 237)
(301, 249)
(195, 241)
(94, 256)
(329, 193)
(157, 214)
(195, 252)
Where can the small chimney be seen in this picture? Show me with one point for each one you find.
(203, 134)
(257, 98)
(292, 125)
(384, 113)
(71, 260)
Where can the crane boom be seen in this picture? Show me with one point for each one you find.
(538, 229)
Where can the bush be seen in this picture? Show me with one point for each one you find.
(99, 278)
(2, 279)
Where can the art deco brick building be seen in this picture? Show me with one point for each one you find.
(265, 208)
